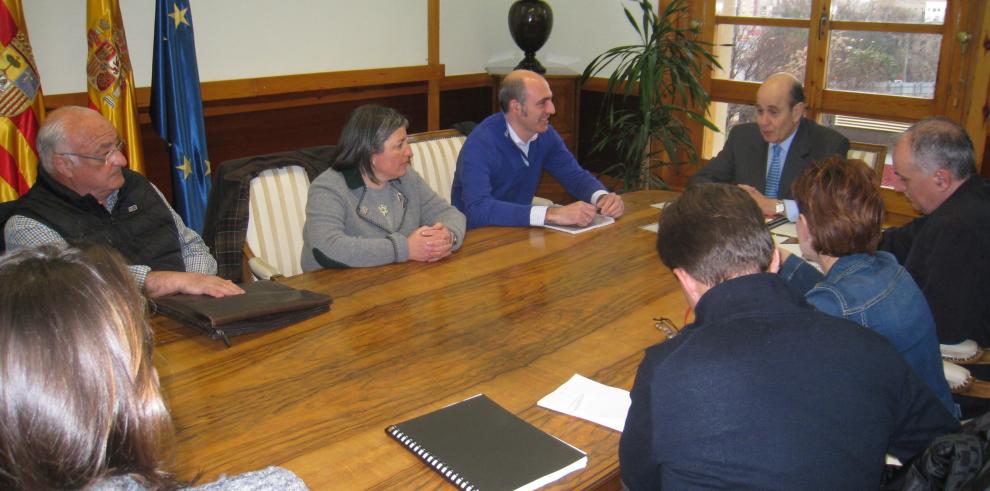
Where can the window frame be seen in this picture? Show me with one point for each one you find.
(949, 98)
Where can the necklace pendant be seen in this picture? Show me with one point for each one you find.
(383, 209)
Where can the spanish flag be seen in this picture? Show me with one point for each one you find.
(110, 77)
(21, 107)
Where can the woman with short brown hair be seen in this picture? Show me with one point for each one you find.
(841, 215)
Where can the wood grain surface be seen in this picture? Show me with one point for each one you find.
(513, 314)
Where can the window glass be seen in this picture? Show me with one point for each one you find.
(894, 11)
(725, 116)
(884, 63)
(756, 52)
(868, 130)
(781, 9)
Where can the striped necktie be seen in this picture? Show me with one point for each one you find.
(773, 175)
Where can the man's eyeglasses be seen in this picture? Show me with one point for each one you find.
(666, 326)
(105, 159)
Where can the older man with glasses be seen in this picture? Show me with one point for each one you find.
(85, 194)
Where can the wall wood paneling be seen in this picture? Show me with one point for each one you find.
(264, 115)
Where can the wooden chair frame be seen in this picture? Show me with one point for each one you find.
(880, 152)
(432, 135)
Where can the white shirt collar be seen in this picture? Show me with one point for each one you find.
(786, 144)
(524, 146)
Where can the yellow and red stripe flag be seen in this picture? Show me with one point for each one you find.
(21, 107)
(109, 76)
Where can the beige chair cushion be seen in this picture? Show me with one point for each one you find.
(276, 217)
(956, 376)
(967, 350)
(435, 160)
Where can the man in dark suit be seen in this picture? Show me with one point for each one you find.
(762, 391)
(765, 157)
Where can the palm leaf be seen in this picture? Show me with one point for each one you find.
(664, 71)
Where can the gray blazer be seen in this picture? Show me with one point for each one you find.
(743, 160)
(337, 235)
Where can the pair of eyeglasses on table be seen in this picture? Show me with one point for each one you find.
(666, 326)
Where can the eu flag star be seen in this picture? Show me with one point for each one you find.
(179, 15)
(185, 168)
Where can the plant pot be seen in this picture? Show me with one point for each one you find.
(530, 23)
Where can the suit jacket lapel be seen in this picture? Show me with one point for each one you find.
(799, 152)
(758, 149)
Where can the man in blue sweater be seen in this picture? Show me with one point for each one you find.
(503, 159)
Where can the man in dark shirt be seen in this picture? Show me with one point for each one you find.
(945, 250)
(762, 391)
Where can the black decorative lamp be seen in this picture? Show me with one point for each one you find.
(530, 22)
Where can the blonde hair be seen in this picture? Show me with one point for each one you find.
(79, 396)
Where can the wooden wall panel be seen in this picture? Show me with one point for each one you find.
(242, 134)
(468, 104)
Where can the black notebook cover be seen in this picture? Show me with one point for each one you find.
(476, 444)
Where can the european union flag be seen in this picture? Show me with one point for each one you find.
(177, 109)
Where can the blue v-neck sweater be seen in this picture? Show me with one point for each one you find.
(495, 182)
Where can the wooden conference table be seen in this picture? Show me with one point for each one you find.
(513, 314)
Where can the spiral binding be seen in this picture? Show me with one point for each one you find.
(430, 459)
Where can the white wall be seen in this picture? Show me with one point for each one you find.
(475, 33)
(250, 38)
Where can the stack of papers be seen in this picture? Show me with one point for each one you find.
(785, 236)
(590, 400)
(598, 221)
(652, 228)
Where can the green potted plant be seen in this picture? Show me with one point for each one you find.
(665, 67)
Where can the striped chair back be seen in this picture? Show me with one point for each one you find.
(435, 158)
(276, 217)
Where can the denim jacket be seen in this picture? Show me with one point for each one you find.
(876, 292)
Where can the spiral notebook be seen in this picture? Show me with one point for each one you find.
(478, 445)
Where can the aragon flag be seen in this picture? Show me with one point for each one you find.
(110, 77)
(177, 109)
(21, 106)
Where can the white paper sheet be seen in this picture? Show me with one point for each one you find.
(590, 400)
(653, 227)
(789, 244)
(598, 221)
(789, 229)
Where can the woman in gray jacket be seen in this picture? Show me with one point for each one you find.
(370, 208)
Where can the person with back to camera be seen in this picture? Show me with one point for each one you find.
(370, 208)
(80, 402)
(839, 228)
(762, 391)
